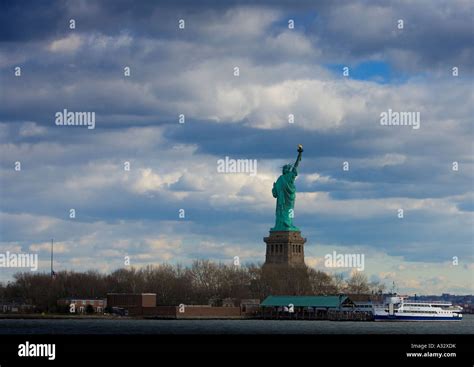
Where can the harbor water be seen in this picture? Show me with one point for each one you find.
(133, 326)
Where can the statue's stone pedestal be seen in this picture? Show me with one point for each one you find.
(284, 247)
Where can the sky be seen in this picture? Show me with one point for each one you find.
(173, 205)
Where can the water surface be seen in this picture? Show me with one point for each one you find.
(128, 326)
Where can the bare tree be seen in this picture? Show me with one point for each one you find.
(174, 284)
(321, 283)
(358, 283)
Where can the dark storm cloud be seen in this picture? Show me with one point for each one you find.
(436, 35)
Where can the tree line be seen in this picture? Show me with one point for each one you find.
(203, 282)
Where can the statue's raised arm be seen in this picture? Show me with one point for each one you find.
(298, 159)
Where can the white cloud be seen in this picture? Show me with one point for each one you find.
(29, 129)
(59, 247)
(291, 43)
(316, 177)
(103, 42)
(389, 159)
(240, 23)
(149, 181)
(321, 202)
(67, 44)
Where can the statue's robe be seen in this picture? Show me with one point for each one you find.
(285, 192)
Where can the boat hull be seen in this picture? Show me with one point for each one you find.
(415, 318)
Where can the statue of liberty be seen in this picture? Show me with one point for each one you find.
(285, 192)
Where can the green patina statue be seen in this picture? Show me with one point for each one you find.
(285, 192)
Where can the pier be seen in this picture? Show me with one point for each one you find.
(334, 308)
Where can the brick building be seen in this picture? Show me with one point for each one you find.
(134, 303)
(80, 305)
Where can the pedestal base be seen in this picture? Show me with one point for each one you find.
(284, 247)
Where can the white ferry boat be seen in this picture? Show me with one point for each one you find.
(399, 308)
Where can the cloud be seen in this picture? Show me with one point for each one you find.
(247, 23)
(59, 248)
(66, 44)
(149, 181)
(432, 36)
(29, 129)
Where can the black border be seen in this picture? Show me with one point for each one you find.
(334, 349)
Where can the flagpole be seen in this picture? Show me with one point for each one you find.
(52, 277)
(52, 251)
